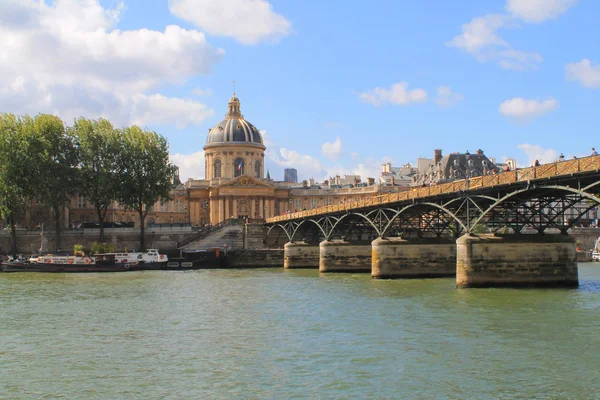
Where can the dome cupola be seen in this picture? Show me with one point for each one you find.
(234, 129)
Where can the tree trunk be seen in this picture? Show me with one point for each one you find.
(57, 227)
(142, 231)
(101, 219)
(13, 236)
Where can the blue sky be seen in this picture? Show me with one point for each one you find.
(337, 86)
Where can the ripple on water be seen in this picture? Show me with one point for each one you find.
(293, 334)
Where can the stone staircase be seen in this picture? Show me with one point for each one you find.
(231, 234)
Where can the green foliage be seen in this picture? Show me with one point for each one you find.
(478, 229)
(98, 248)
(55, 165)
(146, 174)
(97, 143)
(16, 186)
(78, 250)
(41, 159)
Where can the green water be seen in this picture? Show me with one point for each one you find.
(274, 334)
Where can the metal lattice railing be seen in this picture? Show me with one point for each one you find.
(559, 168)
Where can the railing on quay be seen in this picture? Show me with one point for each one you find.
(559, 168)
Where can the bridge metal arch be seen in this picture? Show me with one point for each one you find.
(377, 211)
(282, 226)
(527, 189)
(462, 198)
(303, 222)
(433, 205)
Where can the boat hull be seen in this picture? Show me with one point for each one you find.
(80, 268)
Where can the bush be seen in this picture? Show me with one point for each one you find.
(78, 250)
(98, 247)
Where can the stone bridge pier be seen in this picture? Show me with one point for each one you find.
(300, 255)
(516, 260)
(344, 256)
(413, 258)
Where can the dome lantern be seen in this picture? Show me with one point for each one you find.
(234, 107)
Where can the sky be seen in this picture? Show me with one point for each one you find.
(336, 86)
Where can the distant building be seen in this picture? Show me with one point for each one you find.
(290, 175)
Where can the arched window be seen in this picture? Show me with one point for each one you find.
(238, 167)
(217, 167)
(257, 169)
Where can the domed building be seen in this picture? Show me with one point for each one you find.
(234, 147)
(235, 185)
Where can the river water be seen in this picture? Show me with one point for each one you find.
(274, 334)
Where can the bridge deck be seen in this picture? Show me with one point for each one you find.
(567, 169)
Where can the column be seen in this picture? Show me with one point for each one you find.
(300, 255)
(235, 207)
(516, 261)
(343, 256)
(261, 206)
(221, 209)
(414, 258)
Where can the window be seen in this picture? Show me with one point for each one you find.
(217, 167)
(314, 202)
(297, 204)
(328, 201)
(257, 169)
(81, 202)
(164, 207)
(238, 167)
(178, 205)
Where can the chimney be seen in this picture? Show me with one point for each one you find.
(480, 152)
(437, 156)
(370, 181)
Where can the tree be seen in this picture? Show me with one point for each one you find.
(145, 172)
(55, 165)
(15, 185)
(98, 152)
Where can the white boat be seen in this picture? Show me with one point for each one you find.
(151, 256)
(596, 251)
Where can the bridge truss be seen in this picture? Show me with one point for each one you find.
(550, 198)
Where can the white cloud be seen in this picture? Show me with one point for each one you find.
(480, 33)
(202, 92)
(190, 165)
(67, 57)
(537, 152)
(480, 38)
(332, 150)
(396, 94)
(585, 73)
(447, 98)
(247, 21)
(160, 110)
(536, 11)
(519, 108)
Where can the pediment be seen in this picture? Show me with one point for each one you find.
(246, 181)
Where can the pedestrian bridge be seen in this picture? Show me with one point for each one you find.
(498, 220)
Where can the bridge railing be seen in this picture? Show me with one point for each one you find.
(558, 168)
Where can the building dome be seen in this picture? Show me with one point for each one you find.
(234, 128)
